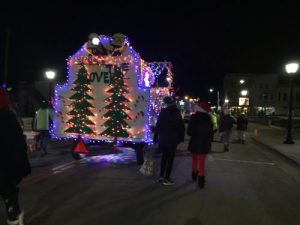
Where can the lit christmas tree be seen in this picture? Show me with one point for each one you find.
(116, 126)
(79, 123)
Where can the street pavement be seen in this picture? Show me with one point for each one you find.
(56, 149)
(247, 185)
(272, 137)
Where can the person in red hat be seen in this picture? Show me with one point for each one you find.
(14, 164)
(200, 128)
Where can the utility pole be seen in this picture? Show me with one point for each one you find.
(218, 101)
(7, 40)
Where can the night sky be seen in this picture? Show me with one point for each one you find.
(203, 41)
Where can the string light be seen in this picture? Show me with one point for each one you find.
(138, 75)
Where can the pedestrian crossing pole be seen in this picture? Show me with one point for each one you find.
(218, 101)
(7, 43)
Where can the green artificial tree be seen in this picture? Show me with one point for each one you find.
(80, 122)
(116, 126)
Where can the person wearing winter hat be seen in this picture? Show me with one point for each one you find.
(226, 124)
(169, 132)
(14, 164)
(202, 107)
(200, 128)
(169, 101)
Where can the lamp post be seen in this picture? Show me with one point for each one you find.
(50, 76)
(291, 69)
(244, 92)
(211, 90)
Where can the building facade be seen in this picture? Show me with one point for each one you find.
(263, 94)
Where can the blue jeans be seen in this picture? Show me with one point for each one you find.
(44, 137)
(226, 135)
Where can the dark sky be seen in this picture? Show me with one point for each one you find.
(203, 41)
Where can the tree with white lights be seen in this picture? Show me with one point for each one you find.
(80, 121)
(116, 126)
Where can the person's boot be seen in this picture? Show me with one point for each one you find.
(226, 149)
(201, 181)
(18, 220)
(194, 175)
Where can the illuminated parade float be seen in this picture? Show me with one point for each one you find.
(111, 94)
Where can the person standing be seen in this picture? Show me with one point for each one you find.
(43, 118)
(226, 124)
(14, 164)
(169, 132)
(241, 126)
(215, 121)
(200, 128)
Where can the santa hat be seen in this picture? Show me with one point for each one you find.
(4, 98)
(203, 107)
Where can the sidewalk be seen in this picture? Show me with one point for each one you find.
(273, 137)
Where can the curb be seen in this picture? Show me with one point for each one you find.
(275, 150)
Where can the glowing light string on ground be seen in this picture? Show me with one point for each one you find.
(125, 156)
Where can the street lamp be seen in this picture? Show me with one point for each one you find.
(244, 92)
(226, 103)
(95, 41)
(291, 69)
(211, 90)
(242, 81)
(50, 76)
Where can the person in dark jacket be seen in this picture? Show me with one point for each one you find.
(200, 128)
(241, 126)
(14, 164)
(169, 132)
(226, 124)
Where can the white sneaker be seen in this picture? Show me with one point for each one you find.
(19, 221)
(168, 182)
